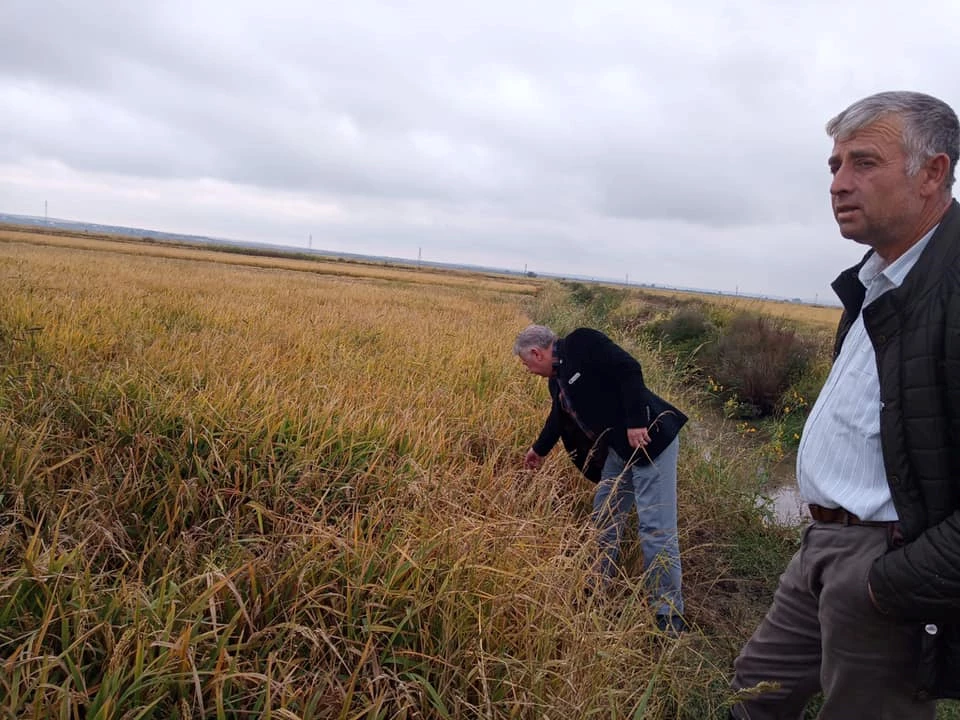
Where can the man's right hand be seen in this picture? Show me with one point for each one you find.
(532, 461)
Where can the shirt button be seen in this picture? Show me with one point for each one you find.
(894, 480)
(881, 339)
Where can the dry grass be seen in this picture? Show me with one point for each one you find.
(820, 316)
(343, 268)
(263, 491)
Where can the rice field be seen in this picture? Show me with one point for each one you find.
(255, 487)
(331, 266)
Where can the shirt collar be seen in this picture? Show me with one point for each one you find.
(896, 272)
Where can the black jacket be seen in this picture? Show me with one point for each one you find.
(604, 384)
(915, 331)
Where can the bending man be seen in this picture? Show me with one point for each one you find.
(598, 386)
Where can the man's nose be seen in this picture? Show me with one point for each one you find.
(841, 181)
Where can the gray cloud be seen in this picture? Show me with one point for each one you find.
(684, 141)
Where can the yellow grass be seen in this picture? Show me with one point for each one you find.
(369, 270)
(822, 316)
(236, 485)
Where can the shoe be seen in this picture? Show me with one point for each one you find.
(582, 597)
(672, 625)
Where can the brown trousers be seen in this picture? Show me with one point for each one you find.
(823, 633)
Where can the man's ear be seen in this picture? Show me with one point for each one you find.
(935, 171)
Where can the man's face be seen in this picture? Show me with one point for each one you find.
(538, 361)
(874, 201)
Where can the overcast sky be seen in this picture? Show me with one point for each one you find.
(676, 143)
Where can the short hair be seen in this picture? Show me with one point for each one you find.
(930, 126)
(533, 336)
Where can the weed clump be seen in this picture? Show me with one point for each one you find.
(748, 362)
(598, 302)
(684, 332)
(755, 360)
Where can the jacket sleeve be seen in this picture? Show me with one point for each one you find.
(921, 580)
(618, 363)
(550, 433)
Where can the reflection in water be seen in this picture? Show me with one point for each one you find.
(788, 508)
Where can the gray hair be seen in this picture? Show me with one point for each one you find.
(930, 126)
(533, 336)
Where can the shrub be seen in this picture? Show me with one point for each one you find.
(755, 360)
(598, 302)
(686, 330)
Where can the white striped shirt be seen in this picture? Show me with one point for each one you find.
(840, 460)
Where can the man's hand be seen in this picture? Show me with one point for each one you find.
(873, 600)
(532, 461)
(638, 437)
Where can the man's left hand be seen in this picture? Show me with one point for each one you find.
(638, 437)
(873, 600)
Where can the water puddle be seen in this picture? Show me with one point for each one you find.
(782, 493)
(788, 508)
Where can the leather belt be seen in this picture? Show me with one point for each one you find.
(842, 517)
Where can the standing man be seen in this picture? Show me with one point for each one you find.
(598, 386)
(867, 610)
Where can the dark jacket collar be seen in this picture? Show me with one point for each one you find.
(938, 254)
(559, 354)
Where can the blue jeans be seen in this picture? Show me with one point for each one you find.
(653, 490)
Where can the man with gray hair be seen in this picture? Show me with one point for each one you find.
(868, 610)
(599, 395)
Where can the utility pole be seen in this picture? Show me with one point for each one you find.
(45, 211)
(419, 255)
